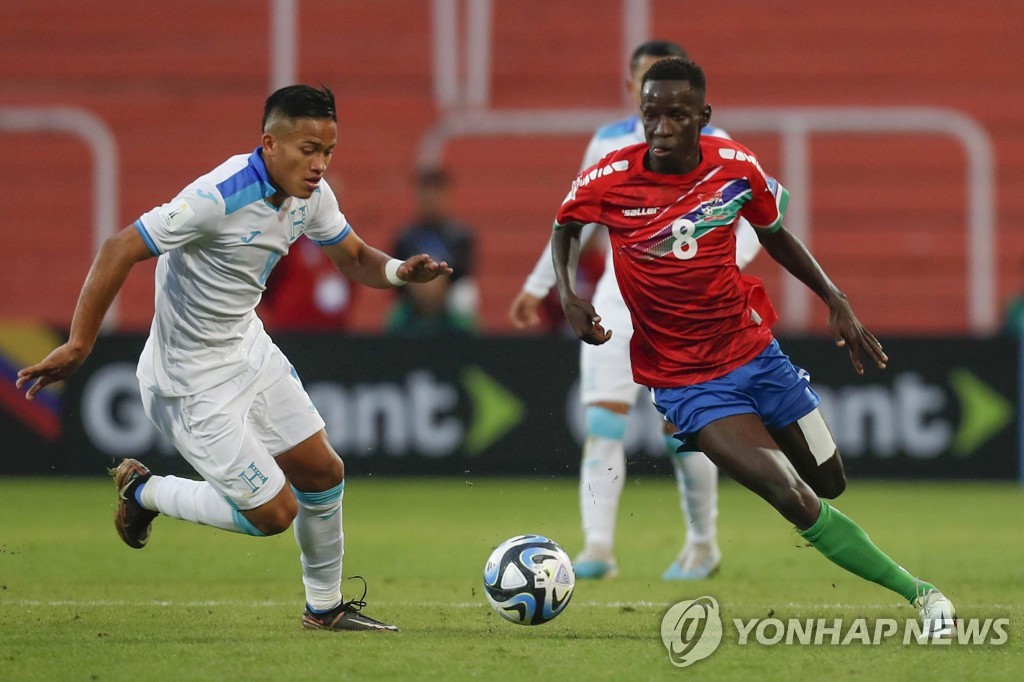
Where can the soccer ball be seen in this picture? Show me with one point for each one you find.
(529, 579)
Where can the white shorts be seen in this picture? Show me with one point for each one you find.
(606, 374)
(231, 433)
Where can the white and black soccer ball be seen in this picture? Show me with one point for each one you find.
(529, 579)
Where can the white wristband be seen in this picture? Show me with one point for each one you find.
(391, 272)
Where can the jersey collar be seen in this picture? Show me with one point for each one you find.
(260, 168)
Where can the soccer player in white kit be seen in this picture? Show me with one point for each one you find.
(608, 391)
(212, 381)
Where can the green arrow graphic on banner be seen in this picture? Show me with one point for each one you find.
(984, 412)
(496, 410)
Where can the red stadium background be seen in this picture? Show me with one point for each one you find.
(179, 87)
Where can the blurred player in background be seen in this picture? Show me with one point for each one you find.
(702, 340)
(608, 391)
(435, 231)
(449, 305)
(212, 381)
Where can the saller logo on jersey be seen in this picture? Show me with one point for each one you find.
(584, 180)
(634, 212)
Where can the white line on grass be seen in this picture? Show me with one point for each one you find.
(76, 603)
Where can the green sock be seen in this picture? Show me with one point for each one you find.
(845, 544)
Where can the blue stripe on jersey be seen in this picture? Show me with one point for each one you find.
(344, 233)
(240, 198)
(734, 190)
(729, 193)
(247, 185)
(150, 244)
(623, 127)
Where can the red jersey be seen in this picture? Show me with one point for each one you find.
(674, 252)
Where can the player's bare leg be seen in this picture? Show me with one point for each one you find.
(740, 445)
(809, 446)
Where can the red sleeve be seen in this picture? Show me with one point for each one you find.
(581, 205)
(768, 198)
(583, 202)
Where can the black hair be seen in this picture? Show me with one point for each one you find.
(301, 101)
(675, 69)
(656, 48)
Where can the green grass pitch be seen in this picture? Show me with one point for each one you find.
(202, 604)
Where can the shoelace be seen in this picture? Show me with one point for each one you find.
(356, 605)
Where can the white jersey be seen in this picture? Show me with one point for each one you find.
(218, 241)
(605, 141)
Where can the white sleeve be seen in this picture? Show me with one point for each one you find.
(193, 214)
(595, 152)
(327, 224)
(542, 278)
(747, 243)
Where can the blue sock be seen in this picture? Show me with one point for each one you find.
(320, 612)
(672, 445)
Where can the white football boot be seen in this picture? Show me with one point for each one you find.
(937, 615)
(595, 563)
(696, 561)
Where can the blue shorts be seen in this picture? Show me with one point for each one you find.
(769, 386)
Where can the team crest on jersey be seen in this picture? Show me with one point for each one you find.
(298, 220)
(711, 205)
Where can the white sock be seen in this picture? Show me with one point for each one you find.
(321, 539)
(697, 478)
(194, 501)
(602, 477)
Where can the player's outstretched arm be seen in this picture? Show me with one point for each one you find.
(846, 329)
(359, 261)
(579, 313)
(109, 270)
(523, 311)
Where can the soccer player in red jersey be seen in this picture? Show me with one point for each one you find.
(702, 340)
(606, 387)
